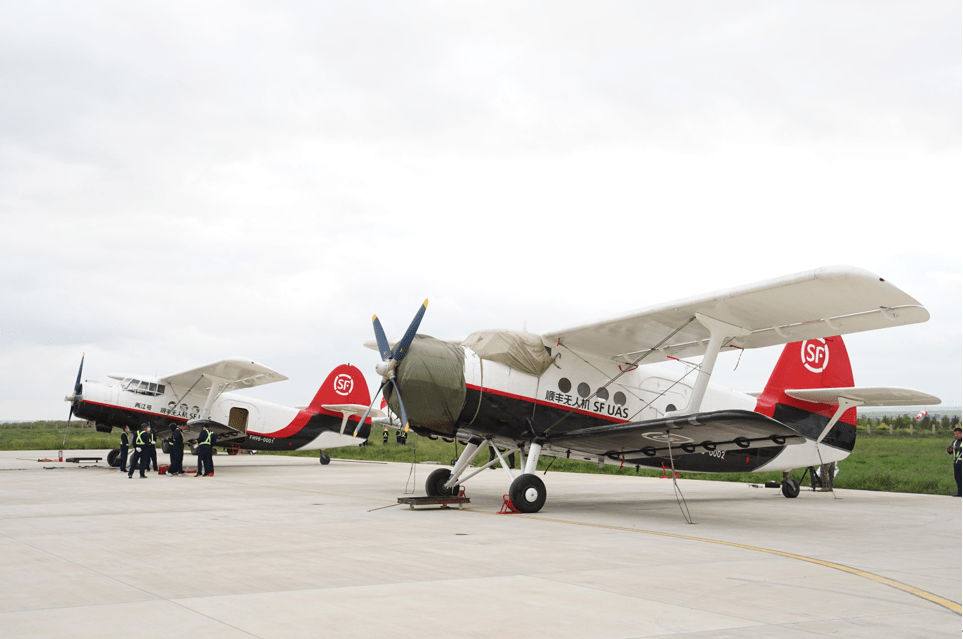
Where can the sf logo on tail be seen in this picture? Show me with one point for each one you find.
(815, 355)
(343, 385)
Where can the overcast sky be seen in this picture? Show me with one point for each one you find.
(182, 181)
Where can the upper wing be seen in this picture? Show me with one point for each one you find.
(719, 430)
(233, 372)
(871, 396)
(818, 303)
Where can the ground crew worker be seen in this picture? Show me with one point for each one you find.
(205, 458)
(152, 449)
(124, 447)
(140, 452)
(384, 436)
(176, 442)
(955, 449)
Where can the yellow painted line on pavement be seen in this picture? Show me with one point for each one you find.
(940, 601)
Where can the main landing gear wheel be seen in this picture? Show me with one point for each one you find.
(527, 493)
(113, 458)
(435, 486)
(325, 459)
(790, 488)
(165, 447)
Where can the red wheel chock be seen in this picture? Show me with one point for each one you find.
(508, 508)
(666, 470)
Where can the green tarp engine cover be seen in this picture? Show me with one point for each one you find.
(432, 382)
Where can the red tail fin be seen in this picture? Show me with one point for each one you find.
(815, 363)
(345, 385)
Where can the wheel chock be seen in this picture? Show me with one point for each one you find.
(666, 470)
(508, 508)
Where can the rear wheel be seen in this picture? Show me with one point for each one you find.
(435, 486)
(325, 459)
(527, 493)
(113, 458)
(166, 447)
(790, 488)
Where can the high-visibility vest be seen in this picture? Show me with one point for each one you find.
(140, 435)
(207, 442)
(957, 451)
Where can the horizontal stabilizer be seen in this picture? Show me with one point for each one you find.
(698, 433)
(869, 396)
(348, 410)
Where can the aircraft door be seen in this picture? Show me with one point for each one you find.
(663, 396)
(243, 417)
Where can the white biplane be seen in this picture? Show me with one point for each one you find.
(202, 397)
(597, 392)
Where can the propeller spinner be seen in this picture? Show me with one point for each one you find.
(389, 362)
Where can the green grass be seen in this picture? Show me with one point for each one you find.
(900, 462)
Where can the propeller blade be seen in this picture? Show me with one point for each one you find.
(402, 347)
(383, 347)
(79, 373)
(370, 406)
(401, 404)
(70, 415)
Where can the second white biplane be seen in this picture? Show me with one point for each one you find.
(203, 397)
(597, 392)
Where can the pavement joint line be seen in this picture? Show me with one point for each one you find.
(886, 581)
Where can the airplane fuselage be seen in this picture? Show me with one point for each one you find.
(261, 425)
(575, 393)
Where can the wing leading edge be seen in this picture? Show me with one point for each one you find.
(818, 303)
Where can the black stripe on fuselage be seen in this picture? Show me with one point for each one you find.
(120, 417)
(505, 415)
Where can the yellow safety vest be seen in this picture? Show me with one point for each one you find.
(140, 434)
(207, 442)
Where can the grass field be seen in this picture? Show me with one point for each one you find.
(900, 462)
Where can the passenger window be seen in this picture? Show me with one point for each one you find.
(161, 389)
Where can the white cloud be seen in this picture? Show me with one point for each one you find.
(182, 182)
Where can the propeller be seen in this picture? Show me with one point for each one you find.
(73, 397)
(389, 363)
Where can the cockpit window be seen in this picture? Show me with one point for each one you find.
(143, 388)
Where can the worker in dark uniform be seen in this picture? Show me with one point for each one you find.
(205, 458)
(152, 450)
(124, 447)
(176, 443)
(491, 457)
(141, 456)
(956, 449)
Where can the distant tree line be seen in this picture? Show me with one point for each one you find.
(934, 424)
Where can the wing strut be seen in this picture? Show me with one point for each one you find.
(719, 332)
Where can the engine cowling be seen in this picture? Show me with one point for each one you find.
(431, 378)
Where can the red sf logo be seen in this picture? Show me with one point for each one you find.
(343, 384)
(815, 355)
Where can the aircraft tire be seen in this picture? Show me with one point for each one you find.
(527, 493)
(325, 459)
(113, 458)
(435, 485)
(790, 488)
(166, 447)
(194, 450)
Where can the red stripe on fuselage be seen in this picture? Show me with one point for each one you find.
(541, 402)
(131, 410)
